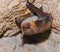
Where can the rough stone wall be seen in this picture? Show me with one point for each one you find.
(9, 9)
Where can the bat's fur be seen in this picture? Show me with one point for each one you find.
(36, 24)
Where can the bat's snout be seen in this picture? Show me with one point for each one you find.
(26, 26)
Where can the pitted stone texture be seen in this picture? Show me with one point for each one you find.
(7, 23)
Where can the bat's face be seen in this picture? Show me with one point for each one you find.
(29, 28)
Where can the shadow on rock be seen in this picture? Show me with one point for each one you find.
(37, 38)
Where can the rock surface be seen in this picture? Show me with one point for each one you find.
(10, 32)
(14, 44)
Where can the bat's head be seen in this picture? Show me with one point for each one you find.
(29, 28)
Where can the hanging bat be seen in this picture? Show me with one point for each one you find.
(39, 23)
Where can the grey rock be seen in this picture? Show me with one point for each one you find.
(14, 44)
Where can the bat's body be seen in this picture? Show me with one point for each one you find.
(36, 24)
(33, 25)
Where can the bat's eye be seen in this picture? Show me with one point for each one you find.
(26, 26)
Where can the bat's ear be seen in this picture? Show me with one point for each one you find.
(18, 20)
(41, 9)
(27, 0)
